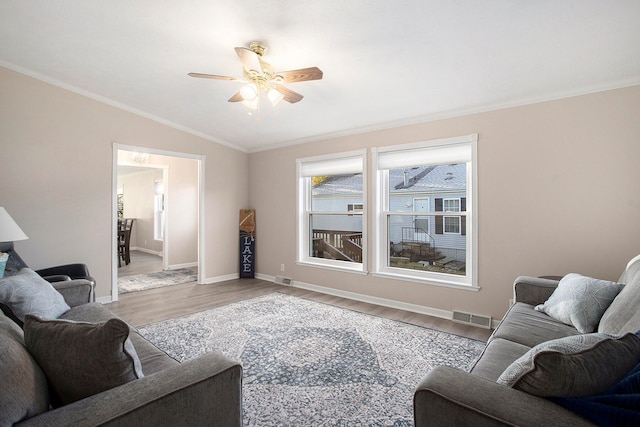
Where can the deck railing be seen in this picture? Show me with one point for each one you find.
(342, 245)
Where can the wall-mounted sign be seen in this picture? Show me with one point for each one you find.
(247, 243)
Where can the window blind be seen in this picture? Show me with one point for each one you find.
(420, 156)
(332, 166)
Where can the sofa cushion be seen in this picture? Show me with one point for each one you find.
(623, 315)
(580, 301)
(81, 359)
(496, 357)
(524, 325)
(28, 293)
(24, 391)
(575, 366)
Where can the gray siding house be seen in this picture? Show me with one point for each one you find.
(440, 188)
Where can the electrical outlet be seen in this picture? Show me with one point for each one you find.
(282, 268)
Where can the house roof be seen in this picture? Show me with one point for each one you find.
(423, 179)
(384, 65)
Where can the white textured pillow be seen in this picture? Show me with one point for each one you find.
(580, 301)
(28, 293)
(575, 366)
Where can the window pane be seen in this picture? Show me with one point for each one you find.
(336, 237)
(412, 247)
(452, 224)
(446, 182)
(451, 205)
(337, 193)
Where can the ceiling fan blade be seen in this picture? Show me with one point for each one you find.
(236, 97)
(289, 95)
(301, 75)
(212, 76)
(250, 60)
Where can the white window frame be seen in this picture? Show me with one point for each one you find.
(441, 151)
(333, 164)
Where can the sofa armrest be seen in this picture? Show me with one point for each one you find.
(451, 397)
(202, 391)
(534, 290)
(75, 292)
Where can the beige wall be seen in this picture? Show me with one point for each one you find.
(138, 191)
(558, 192)
(558, 189)
(56, 176)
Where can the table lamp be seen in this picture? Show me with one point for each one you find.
(9, 232)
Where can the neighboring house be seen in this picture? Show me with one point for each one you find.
(424, 189)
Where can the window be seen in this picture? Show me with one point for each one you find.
(331, 211)
(451, 224)
(425, 216)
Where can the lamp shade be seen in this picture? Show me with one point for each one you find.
(9, 230)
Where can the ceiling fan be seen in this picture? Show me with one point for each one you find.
(259, 75)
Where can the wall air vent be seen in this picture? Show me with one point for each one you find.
(472, 319)
(283, 280)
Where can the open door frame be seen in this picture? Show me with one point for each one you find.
(200, 158)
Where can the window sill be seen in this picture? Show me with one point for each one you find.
(427, 281)
(357, 269)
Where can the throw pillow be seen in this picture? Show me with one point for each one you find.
(575, 366)
(24, 392)
(3, 263)
(28, 293)
(618, 406)
(82, 359)
(580, 301)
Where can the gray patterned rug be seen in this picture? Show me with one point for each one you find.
(140, 282)
(312, 364)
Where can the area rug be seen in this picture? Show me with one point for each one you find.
(311, 364)
(140, 282)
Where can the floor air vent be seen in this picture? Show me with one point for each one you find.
(472, 319)
(283, 280)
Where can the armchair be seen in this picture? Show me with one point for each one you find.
(52, 274)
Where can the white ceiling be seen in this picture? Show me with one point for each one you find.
(385, 62)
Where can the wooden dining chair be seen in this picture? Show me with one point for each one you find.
(124, 239)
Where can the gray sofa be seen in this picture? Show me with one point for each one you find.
(451, 397)
(203, 391)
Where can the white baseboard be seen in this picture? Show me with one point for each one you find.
(414, 308)
(104, 300)
(218, 279)
(146, 251)
(185, 265)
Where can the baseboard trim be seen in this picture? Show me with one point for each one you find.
(146, 251)
(104, 300)
(185, 265)
(414, 308)
(218, 279)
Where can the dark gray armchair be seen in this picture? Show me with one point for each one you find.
(52, 274)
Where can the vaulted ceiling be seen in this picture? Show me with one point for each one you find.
(385, 63)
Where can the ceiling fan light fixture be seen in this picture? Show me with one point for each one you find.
(259, 76)
(252, 105)
(274, 96)
(249, 92)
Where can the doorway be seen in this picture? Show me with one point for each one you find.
(160, 192)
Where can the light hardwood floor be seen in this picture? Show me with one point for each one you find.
(141, 263)
(153, 305)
